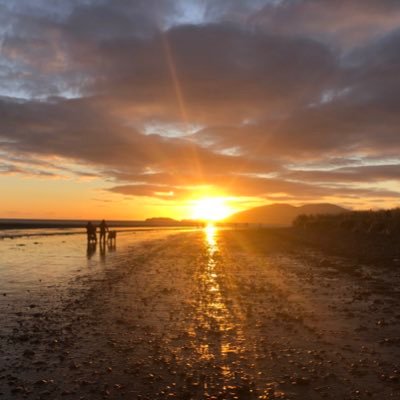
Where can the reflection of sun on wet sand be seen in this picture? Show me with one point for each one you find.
(213, 314)
(216, 327)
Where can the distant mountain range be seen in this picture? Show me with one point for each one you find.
(282, 214)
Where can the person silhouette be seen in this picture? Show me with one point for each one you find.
(103, 229)
(91, 232)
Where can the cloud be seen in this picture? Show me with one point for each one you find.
(9, 169)
(340, 22)
(357, 116)
(365, 174)
(74, 130)
(257, 89)
(232, 75)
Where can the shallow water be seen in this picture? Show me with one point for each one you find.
(35, 262)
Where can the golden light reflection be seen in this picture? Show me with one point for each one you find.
(217, 330)
(210, 231)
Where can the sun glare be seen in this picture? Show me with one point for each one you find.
(211, 209)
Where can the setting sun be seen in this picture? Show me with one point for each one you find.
(211, 209)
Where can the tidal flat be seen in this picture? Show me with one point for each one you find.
(208, 314)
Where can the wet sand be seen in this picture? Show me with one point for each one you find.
(211, 315)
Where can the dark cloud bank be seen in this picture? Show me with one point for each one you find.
(298, 98)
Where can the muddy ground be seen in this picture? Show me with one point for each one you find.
(212, 315)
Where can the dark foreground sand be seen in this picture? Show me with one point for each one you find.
(203, 316)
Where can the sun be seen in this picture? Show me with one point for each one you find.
(211, 209)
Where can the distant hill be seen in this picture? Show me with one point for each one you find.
(282, 214)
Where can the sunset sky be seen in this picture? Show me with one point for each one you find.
(134, 109)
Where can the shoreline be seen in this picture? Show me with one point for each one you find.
(34, 232)
(209, 315)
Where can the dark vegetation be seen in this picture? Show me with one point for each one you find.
(384, 222)
(364, 237)
(367, 236)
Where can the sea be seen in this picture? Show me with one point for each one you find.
(41, 264)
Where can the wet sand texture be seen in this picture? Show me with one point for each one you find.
(211, 315)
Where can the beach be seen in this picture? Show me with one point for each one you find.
(202, 314)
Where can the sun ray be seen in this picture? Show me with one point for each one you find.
(173, 72)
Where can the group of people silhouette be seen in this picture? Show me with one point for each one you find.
(106, 235)
(91, 232)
